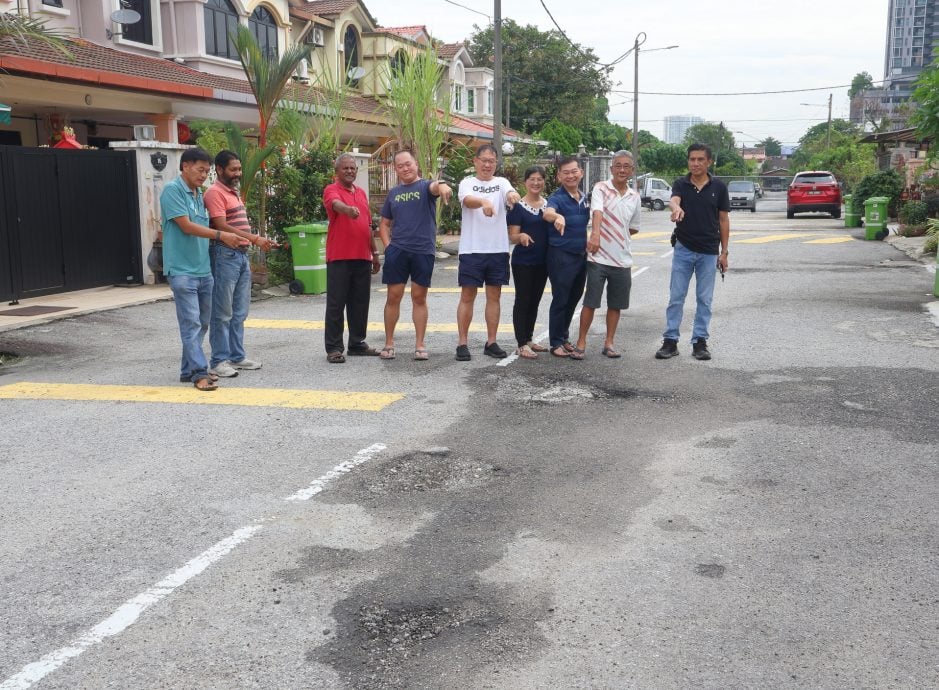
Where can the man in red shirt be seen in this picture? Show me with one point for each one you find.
(350, 261)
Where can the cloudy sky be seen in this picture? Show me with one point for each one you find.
(725, 46)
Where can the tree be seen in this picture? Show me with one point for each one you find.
(718, 137)
(601, 133)
(418, 118)
(549, 77)
(664, 160)
(926, 96)
(772, 146)
(561, 137)
(815, 140)
(268, 76)
(862, 82)
(23, 30)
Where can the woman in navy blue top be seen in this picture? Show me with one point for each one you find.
(529, 232)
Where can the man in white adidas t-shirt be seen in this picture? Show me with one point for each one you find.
(484, 248)
(614, 213)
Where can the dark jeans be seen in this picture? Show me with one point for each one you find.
(529, 287)
(568, 274)
(348, 287)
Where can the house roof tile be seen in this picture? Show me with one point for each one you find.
(449, 50)
(326, 8)
(108, 67)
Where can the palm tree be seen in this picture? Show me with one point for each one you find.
(22, 30)
(267, 75)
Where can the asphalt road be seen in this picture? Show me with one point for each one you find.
(765, 519)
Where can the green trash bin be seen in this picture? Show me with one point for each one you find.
(308, 244)
(875, 218)
(852, 219)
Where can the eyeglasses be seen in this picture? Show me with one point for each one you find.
(625, 166)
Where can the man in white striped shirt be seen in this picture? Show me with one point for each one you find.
(614, 213)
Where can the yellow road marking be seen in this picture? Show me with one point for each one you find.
(776, 238)
(248, 397)
(830, 240)
(377, 326)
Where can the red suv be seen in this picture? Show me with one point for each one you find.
(814, 190)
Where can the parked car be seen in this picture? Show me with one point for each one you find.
(814, 190)
(742, 194)
(655, 192)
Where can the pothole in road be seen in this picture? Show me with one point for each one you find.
(8, 358)
(421, 471)
(543, 390)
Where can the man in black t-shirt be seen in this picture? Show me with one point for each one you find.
(700, 209)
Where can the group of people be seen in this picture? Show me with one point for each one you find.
(582, 247)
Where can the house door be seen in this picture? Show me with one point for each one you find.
(69, 220)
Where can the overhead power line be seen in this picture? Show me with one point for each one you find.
(470, 9)
(739, 93)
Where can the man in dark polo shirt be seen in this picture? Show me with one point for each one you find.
(569, 211)
(700, 209)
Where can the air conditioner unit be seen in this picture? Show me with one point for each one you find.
(315, 37)
(145, 132)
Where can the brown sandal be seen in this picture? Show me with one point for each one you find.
(205, 384)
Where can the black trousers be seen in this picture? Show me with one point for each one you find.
(529, 287)
(348, 287)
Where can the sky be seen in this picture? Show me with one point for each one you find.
(724, 46)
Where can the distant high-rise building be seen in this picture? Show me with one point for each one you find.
(912, 43)
(677, 125)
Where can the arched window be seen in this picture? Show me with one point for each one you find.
(350, 46)
(264, 28)
(221, 20)
(398, 62)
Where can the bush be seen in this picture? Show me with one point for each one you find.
(886, 183)
(913, 212)
(932, 204)
(932, 237)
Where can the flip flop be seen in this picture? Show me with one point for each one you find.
(526, 352)
(205, 385)
(563, 351)
(387, 353)
(577, 353)
(420, 354)
(335, 357)
(568, 346)
(535, 347)
(610, 352)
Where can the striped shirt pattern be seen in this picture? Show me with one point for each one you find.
(620, 213)
(222, 200)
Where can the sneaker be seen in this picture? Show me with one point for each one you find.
(493, 350)
(463, 353)
(246, 364)
(224, 369)
(699, 349)
(669, 349)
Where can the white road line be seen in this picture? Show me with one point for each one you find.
(130, 611)
(317, 485)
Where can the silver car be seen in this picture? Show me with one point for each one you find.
(742, 194)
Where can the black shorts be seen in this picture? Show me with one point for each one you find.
(477, 270)
(401, 264)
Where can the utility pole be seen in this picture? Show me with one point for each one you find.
(636, 106)
(508, 100)
(828, 141)
(497, 81)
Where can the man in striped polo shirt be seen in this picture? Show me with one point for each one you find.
(231, 269)
(614, 214)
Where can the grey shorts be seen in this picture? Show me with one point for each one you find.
(618, 281)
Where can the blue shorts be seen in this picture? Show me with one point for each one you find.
(477, 270)
(400, 264)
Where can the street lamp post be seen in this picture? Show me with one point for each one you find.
(828, 135)
(640, 39)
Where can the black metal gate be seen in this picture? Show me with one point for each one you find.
(68, 220)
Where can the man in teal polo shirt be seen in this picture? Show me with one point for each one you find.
(186, 235)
